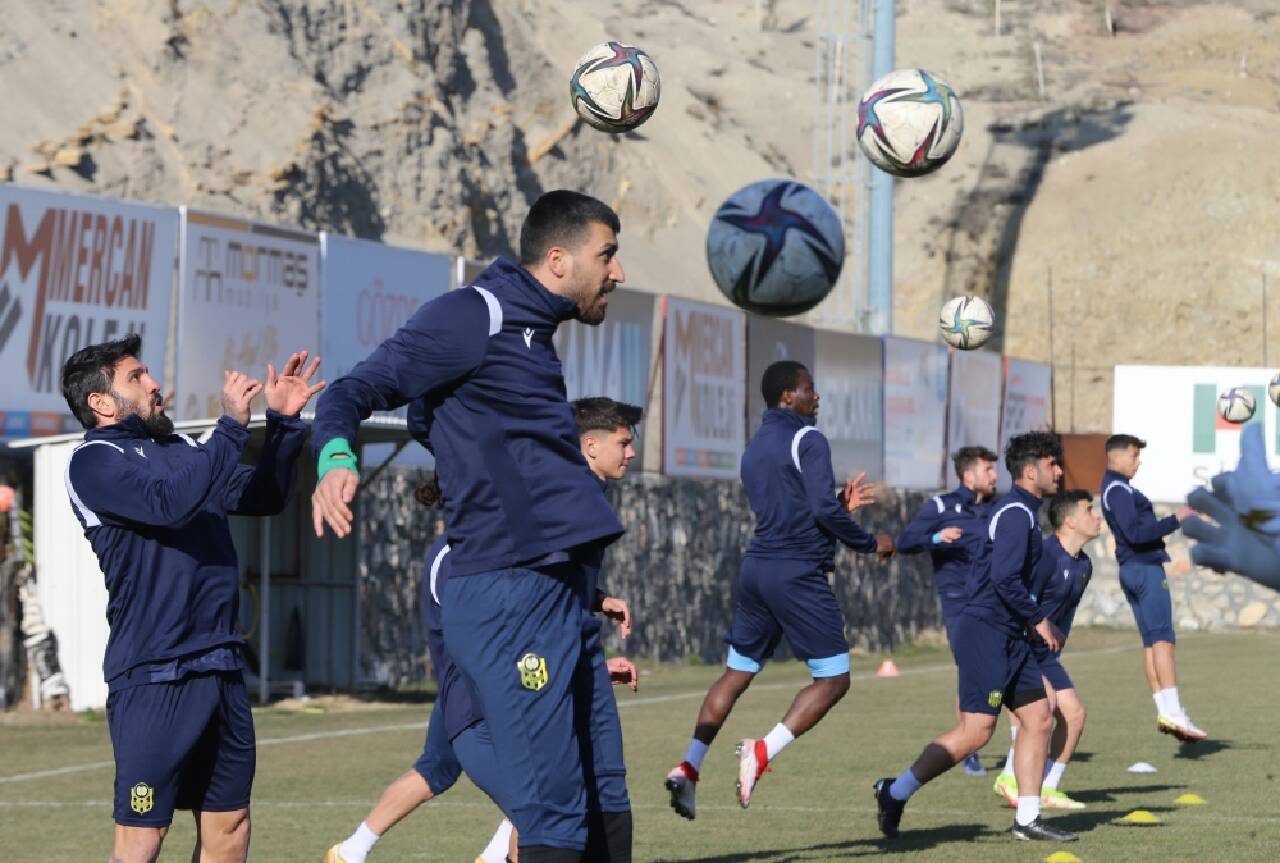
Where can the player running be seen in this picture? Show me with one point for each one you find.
(1057, 587)
(154, 507)
(952, 527)
(783, 587)
(993, 649)
(456, 735)
(1141, 555)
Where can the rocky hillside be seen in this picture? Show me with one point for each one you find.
(1137, 189)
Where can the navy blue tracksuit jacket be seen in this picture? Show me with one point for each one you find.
(786, 471)
(1000, 584)
(1059, 582)
(155, 512)
(517, 488)
(951, 560)
(1139, 534)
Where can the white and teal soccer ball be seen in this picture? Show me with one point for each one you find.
(910, 122)
(1236, 405)
(1273, 390)
(615, 87)
(966, 322)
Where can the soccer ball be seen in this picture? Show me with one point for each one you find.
(1273, 390)
(909, 122)
(775, 247)
(1236, 405)
(966, 322)
(614, 87)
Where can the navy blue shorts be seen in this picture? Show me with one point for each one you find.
(995, 667)
(600, 732)
(474, 748)
(187, 744)
(438, 765)
(952, 611)
(1147, 589)
(777, 598)
(516, 636)
(1051, 667)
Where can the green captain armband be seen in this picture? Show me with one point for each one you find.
(336, 454)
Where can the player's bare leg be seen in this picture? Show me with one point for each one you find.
(1163, 678)
(137, 844)
(1069, 714)
(682, 781)
(405, 794)
(222, 837)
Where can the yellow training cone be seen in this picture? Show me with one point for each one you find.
(1140, 816)
(1062, 857)
(1190, 799)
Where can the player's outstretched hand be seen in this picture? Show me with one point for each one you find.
(950, 534)
(619, 612)
(238, 391)
(1050, 634)
(331, 502)
(289, 392)
(885, 549)
(623, 671)
(858, 492)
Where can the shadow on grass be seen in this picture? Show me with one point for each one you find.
(909, 842)
(1087, 822)
(1108, 795)
(1205, 748)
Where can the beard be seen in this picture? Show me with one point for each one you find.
(157, 424)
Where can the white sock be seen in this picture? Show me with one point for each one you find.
(904, 786)
(358, 844)
(499, 845)
(1171, 703)
(777, 739)
(1028, 810)
(697, 752)
(1053, 775)
(1013, 740)
(1158, 698)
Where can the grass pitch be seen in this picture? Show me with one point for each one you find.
(323, 764)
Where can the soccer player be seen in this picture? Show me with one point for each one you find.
(1057, 587)
(1141, 555)
(606, 430)
(523, 510)
(952, 527)
(154, 507)
(993, 649)
(783, 587)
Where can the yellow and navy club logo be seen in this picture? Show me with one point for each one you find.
(141, 798)
(533, 671)
(994, 698)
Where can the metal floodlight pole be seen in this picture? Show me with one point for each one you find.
(880, 231)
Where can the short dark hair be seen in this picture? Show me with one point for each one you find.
(91, 370)
(561, 218)
(604, 414)
(778, 378)
(1028, 448)
(967, 456)
(428, 491)
(1064, 503)
(1123, 441)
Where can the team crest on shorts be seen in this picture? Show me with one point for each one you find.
(994, 698)
(533, 671)
(141, 798)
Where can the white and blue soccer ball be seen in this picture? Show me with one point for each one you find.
(966, 322)
(1236, 405)
(615, 87)
(910, 122)
(775, 247)
(1273, 390)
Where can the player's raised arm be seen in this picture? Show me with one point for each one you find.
(444, 340)
(819, 484)
(921, 533)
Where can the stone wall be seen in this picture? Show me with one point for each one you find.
(678, 562)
